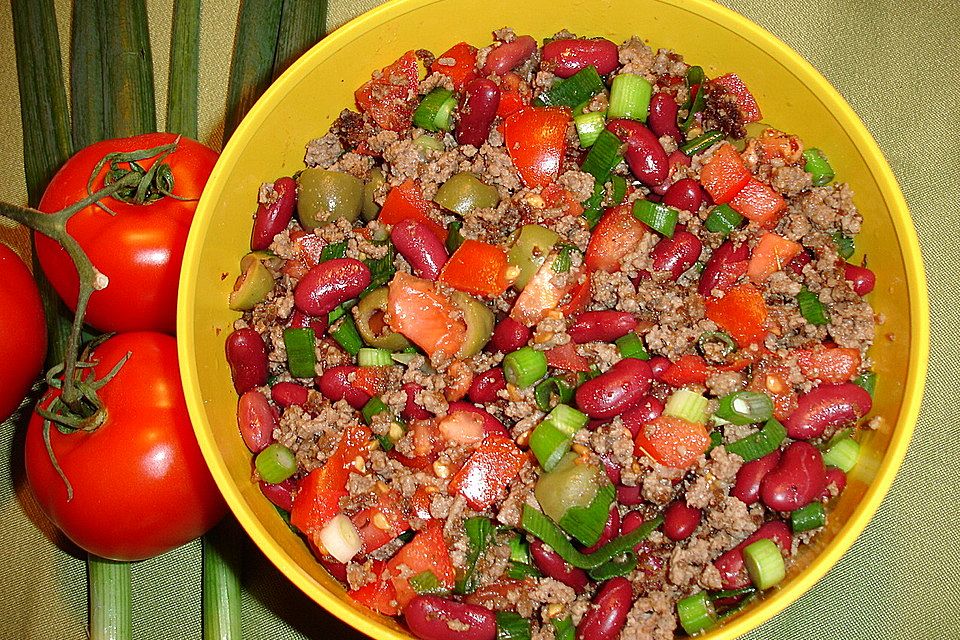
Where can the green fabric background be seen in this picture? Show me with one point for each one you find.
(896, 62)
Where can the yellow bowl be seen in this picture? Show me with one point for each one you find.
(305, 100)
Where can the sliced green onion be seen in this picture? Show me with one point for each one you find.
(551, 439)
(347, 336)
(763, 442)
(381, 270)
(110, 589)
(702, 142)
(519, 549)
(843, 455)
(745, 407)
(593, 206)
(868, 381)
(618, 188)
(687, 405)
(433, 112)
(426, 583)
(551, 392)
(564, 259)
(426, 143)
(562, 628)
(586, 523)
(589, 126)
(808, 518)
(404, 357)
(631, 346)
(575, 90)
(696, 106)
(604, 156)
(696, 613)
(845, 244)
(373, 407)
(716, 439)
(339, 311)
(764, 563)
(369, 357)
(301, 352)
(732, 593)
(695, 75)
(659, 217)
(454, 236)
(479, 532)
(524, 367)
(619, 566)
(512, 626)
(723, 219)
(521, 570)
(276, 463)
(817, 166)
(812, 310)
(630, 97)
(376, 406)
(332, 251)
(717, 337)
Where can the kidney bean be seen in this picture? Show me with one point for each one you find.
(838, 479)
(601, 326)
(478, 108)
(300, 320)
(335, 385)
(645, 156)
(272, 217)
(718, 272)
(553, 566)
(649, 408)
(797, 480)
(412, 410)
(567, 56)
(509, 335)
(611, 529)
(608, 611)
(485, 386)
(509, 55)
(798, 262)
(247, 356)
(629, 496)
(287, 394)
(862, 280)
(677, 254)
(680, 159)
(428, 617)
(829, 405)
(420, 247)
(662, 118)
(329, 283)
(336, 569)
(733, 575)
(279, 494)
(751, 474)
(658, 364)
(614, 391)
(680, 520)
(684, 194)
(490, 424)
(610, 468)
(257, 420)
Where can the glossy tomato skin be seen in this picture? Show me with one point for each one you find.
(139, 249)
(140, 485)
(23, 331)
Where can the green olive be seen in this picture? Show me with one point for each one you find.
(370, 208)
(464, 192)
(568, 485)
(368, 315)
(479, 320)
(530, 248)
(327, 195)
(254, 283)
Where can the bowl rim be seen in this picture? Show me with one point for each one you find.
(792, 62)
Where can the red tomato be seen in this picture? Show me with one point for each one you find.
(742, 313)
(370, 521)
(488, 471)
(759, 202)
(478, 268)
(379, 595)
(832, 365)
(390, 97)
(536, 140)
(464, 67)
(428, 551)
(673, 442)
(616, 234)
(541, 294)
(424, 315)
(772, 254)
(566, 357)
(771, 377)
(23, 331)
(406, 202)
(140, 249)
(514, 94)
(579, 299)
(140, 485)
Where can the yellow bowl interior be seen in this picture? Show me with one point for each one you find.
(305, 100)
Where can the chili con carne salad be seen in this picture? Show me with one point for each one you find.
(556, 341)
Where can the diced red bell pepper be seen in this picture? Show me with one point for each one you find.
(390, 97)
(828, 364)
(616, 234)
(724, 174)
(490, 468)
(689, 369)
(406, 202)
(746, 103)
(318, 495)
(759, 202)
(566, 357)
(383, 522)
(742, 313)
(541, 294)
(464, 67)
(426, 552)
(424, 315)
(514, 94)
(372, 380)
(579, 298)
(772, 254)
(673, 442)
(379, 595)
(478, 268)
(536, 139)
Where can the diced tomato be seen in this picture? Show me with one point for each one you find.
(742, 313)
(566, 357)
(424, 315)
(307, 248)
(426, 552)
(616, 234)
(556, 197)
(372, 380)
(406, 202)
(746, 103)
(478, 268)
(514, 94)
(759, 202)
(689, 369)
(771, 378)
(464, 67)
(420, 503)
(772, 254)
(427, 444)
(390, 97)
(777, 144)
(828, 364)
(541, 294)
(536, 139)
(381, 523)
(319, 492)
(724, 174)
(379, 595)
(485, 475)
(579, 298)
(673, 442)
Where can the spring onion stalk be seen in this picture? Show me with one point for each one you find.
(340, 538)
(333, 251)
(716, 439)
(696, 106)
(373, 407)
(512, 626)
(620, 566)
(659, 217)
(868, 381)
(702, 142)
(519, 550)
(631, 346)
(764, 563)
(586, 523)
(434, 111)
(347, 336)
(808, 518)
(695, 76)
(817, 166)
(763, 442)
(370, 357)
(276, 463)
(340, 310)
(182, 83)
(479, 532)
(745, 407)
(128, 70)
(376, 406)
(812, 310)
(845, 245)
(630, 97)
(426, 144)
(618, 189)
(521, 570)
(696, 613)
(732, 593)
(86, 74)
(564, 259)
(403, 357)
(110, 599)
(843, 454)
(603, 157)
(574, 91)
(589, 126)
(524, 367)
(551, 392)
(723, 219)
(593, 206)
(427, 583)
(302, 24)
(687, 405)
(563, 628)
(454, 236)
(222, 554)
(551, 439)
(301, 352)
(381, 270)
(727, 345)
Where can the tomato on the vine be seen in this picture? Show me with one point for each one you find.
(23, 331)
(140, 248)
(139, 483)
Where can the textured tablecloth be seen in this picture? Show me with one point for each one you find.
(896, 62)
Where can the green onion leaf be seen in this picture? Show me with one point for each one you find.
(808, 518)
(630, 97)
(619, 566)
(761, 443)
(631, 346)
(276, 463)
(702, 142)
(551, 439)
(346, 335)
(589, 126)
(333, 251)
(128, 65)
(695, 75)
(302, 24)
(562, 628)
(812, 310)
(301, 352)
(845, 245)
(593, 206)
(564, 259)
(843, 455)
(723, 219)
(434, 111)
(817, 166)
(551, 392)
(575, 90)
(479, 532)
(183, 80)
(728, 346)
(512, 626)
(603, 157)
(426, 583)
(586, 523)
(868, 381)
(764, 563)
(687, 405)
(454, 236)
(696, 613)
(86, 73)
(618, 189)
(525, 366)
(340, 310)
(519, 549)
(381, 270)
(659, 217)
(370, 357)
(696, 106)
(254, 52)
(521, 570)
(745, 407)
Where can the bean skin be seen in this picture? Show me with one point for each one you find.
(610, 468)
(485, 386)
(428, 617)
(509, 335)
(677, 254)
(601, 326)
(257, 420)
(420, 247)
(862, 280)
(645, 156)
(608, 611)
(300, 320)
(567, 56)
(330, 283)
(718, 273)
(649, 408)
(838, 479)
(288, 394)
(733, 575)
(478, 108)
(658, 364)
(279, 494)
(797, 480)
(751, 474)
(273, 217)
(509, 55)
(662, 119)
(684, 194)
(614, 391)
(629, 496)
(829, 405)
(247, 356)
(335, 385)
(412, 410)
(680, 520)
(553, 566)
(798, 262)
